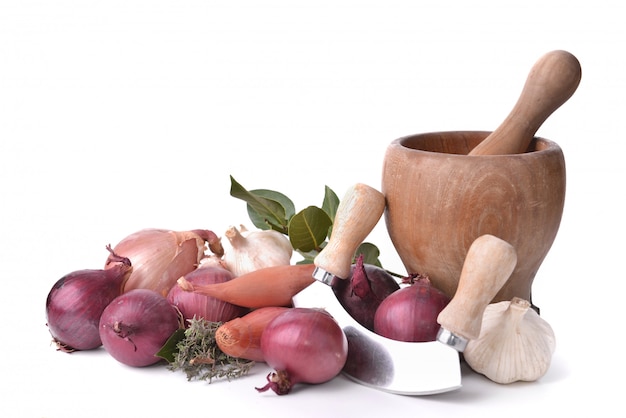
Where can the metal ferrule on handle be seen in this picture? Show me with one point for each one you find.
(451, 340)
(488, 265)
(323, 276)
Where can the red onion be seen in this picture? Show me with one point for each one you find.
(302, 345)
(192, 304)
(136, 324)
(76, 301)
(362, 292)
(410, 314)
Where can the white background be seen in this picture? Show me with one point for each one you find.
(121, 115)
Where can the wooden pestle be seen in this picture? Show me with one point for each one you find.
(550, 83)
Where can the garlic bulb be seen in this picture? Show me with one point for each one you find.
(247, 251)
(212, 260)
(514, 344)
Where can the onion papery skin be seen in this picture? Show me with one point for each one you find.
(76, 302)
(192, 304)
(365, 289)
(161, 256)
(136, 324)
(302, 345)
(410, 314)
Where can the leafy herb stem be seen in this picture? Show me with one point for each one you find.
(198, 355)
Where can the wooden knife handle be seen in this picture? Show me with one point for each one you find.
(357, 214)
(550, 83)
(487, 266)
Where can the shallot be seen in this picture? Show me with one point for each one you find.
(302, 345)
(362, 292)
(161, 256)
(192, 304)
(76, 301)
(136, 324)
(410, 313)
(241, 337)
(268, 286)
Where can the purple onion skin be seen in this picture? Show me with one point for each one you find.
(410, 314)
(135, 325)
(303, 345)
(362, 292)
(76, 302)
(192, 304)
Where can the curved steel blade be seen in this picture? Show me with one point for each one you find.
(384, 364)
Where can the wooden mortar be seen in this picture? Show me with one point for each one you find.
(439, 200)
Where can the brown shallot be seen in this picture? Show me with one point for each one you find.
(241, 337)
(269, 286)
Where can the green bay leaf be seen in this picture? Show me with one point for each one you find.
(170, 348)
(309, 228)
(330, 203)
(266, 209)
(370, 253)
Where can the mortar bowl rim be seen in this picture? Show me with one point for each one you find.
(414, 143)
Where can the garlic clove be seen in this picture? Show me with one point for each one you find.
(248, 250)
(515, 343)
(212, 260)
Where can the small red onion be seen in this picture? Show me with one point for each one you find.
(136, 324)
(192, 304)
(76, 301)
(410, 314)
(302, 345)
(362, 292)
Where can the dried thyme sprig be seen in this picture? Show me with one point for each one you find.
(199, 356)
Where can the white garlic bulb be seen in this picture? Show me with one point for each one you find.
(515, 343)
(247, 251)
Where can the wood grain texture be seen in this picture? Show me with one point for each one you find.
(487, 266)
(357, 214)
(551, 82)
(439, 200)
